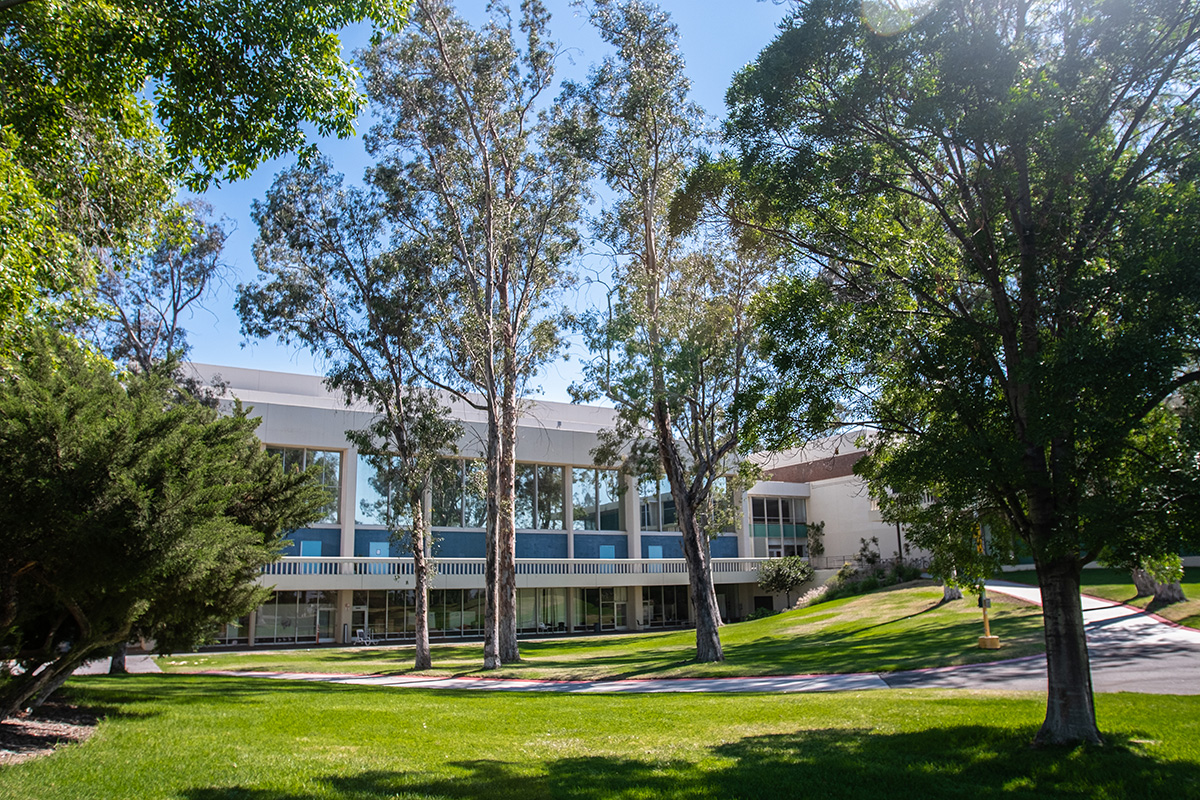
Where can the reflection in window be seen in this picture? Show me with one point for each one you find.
(539, 497)
(327, 464)
(597, 500)
(459, 488)
(379, 496)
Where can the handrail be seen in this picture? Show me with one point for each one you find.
(365, 565)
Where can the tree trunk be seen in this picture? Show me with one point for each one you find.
(951, 592)
(1070, 706)
(491, 613)
(117, 665)
(1144, 583)
(423, 660)
(695, 544)
(33, 690)
(1169, 593)
(506, 565)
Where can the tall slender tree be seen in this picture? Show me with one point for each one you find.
(334, 280)
(469, 166)
(675, 347)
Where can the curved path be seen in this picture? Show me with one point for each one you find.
(1131, 651)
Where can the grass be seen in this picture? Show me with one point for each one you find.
(1116, 585)
(896, 629)
(204, 738)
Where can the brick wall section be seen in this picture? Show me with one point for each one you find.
(838, 466)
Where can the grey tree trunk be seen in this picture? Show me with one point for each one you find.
(1144, 583)
(1070, 706)
(951, 592)
(424, 659)
(695, 544)
(491, 615)
(1169, 593)
(506, 562)
(117, 665)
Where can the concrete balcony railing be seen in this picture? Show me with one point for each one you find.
(313, 572)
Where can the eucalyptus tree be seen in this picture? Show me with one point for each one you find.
(997, 205)
(152, 297)
(471, 170)
(677, 343)
(333, 278)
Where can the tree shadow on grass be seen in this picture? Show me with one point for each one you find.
(953, 762)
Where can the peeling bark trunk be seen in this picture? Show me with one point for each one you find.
(423, 660)
(506, 562)
(491, 619)
(1070, 706)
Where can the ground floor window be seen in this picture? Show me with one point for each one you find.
(233, 633)
(665, 605)
(391, 614)
(541, 610)
(296, 617)
(606, 607)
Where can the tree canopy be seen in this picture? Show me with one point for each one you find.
(153, 514)
(997, 212)
(105, 104)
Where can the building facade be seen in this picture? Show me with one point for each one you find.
(597, 550)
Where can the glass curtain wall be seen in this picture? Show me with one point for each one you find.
(598, 504)
(459, 488)
(665, 606)
(296, 616)
(539, 497)
(328, 466)
(778, 526)
(606, 607)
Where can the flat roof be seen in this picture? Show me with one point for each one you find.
(260, 386)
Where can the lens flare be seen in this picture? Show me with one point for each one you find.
(889, 17)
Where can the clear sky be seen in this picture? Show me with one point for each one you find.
(717, 39)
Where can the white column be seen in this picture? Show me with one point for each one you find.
(569, 508)
(633, 517)
(349, 500)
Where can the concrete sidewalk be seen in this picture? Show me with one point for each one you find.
(1131, 651)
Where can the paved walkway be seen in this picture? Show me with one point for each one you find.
(1131, 651)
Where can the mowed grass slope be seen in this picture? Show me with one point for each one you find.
(204, 738)
(895, 629)
(1117, 585)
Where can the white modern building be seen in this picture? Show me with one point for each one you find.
(596, 549)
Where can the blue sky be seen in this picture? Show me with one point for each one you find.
(717, 39)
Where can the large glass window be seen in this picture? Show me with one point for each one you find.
(295, 617)
(604, 606)
(779, 521)
(328, 466)
(378, 502)
(598, 503)
(459, 494)
(539, 497)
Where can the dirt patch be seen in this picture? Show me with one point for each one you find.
(29, 735)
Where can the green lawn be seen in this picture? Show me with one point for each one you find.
(1115, 584)
(900, 628)
(204, 738)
